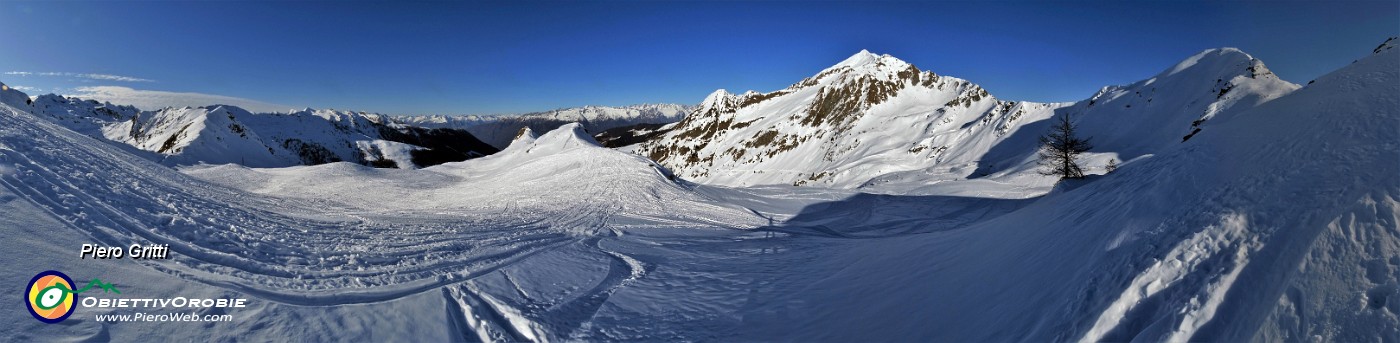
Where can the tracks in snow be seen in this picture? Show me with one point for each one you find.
(295, 251)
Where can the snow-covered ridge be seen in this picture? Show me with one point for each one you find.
(879, 123)
(218, 134)
(13, 96)
(498, 130)
(1149, 115)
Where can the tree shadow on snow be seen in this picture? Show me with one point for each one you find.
(877, 215)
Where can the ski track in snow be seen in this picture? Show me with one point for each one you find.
(303, 252)
(1186, 258)
(268, 247)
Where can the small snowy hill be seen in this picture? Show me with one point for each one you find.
(220, 134)
(877, 122)
(564, 172)
(13, 97)
(566, 166)
(498, 130)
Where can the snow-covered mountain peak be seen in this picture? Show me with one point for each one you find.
(719, 98)
(843, 116)
(1216, 71)
(860, 58)
(230, 110)
(344, 119)
(1223, 62)
(867, 58)
(862, 65)
(523, 141)
(525, 133)
(718, 102)
(1179, 102)
(567, 136)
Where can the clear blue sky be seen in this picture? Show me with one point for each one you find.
(489, 57)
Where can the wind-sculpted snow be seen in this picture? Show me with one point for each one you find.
(1186, 258)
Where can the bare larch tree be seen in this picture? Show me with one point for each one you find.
(1060, 149)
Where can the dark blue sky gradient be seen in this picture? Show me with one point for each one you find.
(488, 57)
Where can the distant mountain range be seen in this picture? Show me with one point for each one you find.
(218, 134)
(499, 130)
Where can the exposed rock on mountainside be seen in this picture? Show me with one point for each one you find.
(634, 134)
(877, 122)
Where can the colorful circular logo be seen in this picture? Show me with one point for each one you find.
(50, 296)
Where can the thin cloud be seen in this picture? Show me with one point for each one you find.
(154, 100)
(90, 76)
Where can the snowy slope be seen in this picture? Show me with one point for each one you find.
(213, 134)
(557, 171)
(1277, 224)
(1148, 115)
(879, 123)
(498, 130)
(352, 250)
